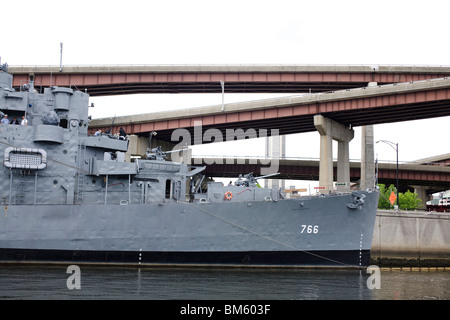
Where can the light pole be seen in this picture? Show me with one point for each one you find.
(395, 147)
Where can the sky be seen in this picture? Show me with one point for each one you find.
(238, 32)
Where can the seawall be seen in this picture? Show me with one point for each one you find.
(411, 239)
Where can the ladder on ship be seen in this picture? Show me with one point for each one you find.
(81, 172)
(20, 194)
(19, 191)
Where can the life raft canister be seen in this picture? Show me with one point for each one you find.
(228, 195)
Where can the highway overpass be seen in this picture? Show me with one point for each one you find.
(101, 80)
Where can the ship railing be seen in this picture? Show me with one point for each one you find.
(22, 197)
(117, 198)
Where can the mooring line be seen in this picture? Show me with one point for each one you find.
(266, 237)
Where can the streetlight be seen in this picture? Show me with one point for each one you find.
(395, 147)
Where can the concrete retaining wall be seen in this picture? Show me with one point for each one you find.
(411, 239)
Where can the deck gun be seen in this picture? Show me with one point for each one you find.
(158, 154)
(249, 180)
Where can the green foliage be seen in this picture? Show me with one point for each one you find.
(385, 193)
(407, 200)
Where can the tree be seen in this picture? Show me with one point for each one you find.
(407, 200)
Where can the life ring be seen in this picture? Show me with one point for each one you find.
(228, 195)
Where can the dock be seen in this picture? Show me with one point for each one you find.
(416, 239)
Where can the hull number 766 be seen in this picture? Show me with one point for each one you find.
(307, 228)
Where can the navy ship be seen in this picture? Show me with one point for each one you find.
(68, 196)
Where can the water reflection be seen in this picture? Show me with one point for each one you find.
(27, 282)
(414, 285)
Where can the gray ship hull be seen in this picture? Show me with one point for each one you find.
(309, 231)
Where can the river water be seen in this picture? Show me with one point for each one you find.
(107, 283)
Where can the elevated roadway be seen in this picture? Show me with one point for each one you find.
(131, 79)
(433, 176)
(294, 114)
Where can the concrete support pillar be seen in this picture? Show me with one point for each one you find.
(326, 163)
(136, 147)
(367, 155)
(343, 167)
(367, 158)
(422, 194)
(331, 130)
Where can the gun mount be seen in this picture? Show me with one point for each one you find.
(158, 154)
(249, 180)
